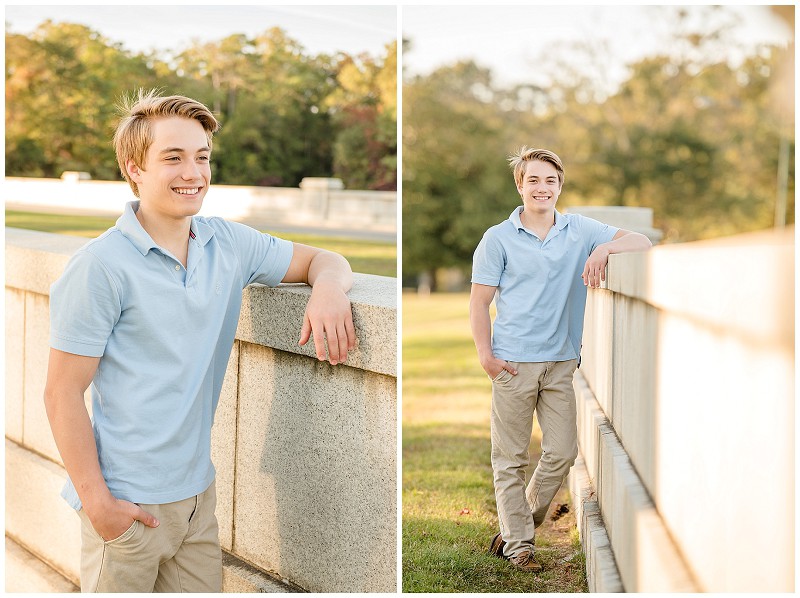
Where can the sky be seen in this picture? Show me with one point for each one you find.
(320, 29)
(510, 39)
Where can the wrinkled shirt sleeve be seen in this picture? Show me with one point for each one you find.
(597, 233)
(264, 259)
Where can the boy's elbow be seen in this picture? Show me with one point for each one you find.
(50, 401)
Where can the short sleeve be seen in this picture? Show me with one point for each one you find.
(264, 259)
(597, 233)
(488, 261)
(85, 305)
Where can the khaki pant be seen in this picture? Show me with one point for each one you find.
(545, 388)
(182, 554)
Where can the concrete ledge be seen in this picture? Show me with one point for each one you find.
(708, 292)
(647, 558)
(34, 260)
(26, 573)
(240, 577)
(601, 569)
(374, 301)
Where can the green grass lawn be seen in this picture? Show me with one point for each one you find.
(449, 512)
(368, 257)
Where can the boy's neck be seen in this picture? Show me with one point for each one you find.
(170, 233)
(539, 222)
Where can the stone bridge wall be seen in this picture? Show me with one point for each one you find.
(305, 452)
(686, 419)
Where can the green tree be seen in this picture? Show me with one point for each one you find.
(687, 133)
(60, 110)
(455, 179)
(364, 110)
(280, 120)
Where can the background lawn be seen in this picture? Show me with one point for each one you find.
(368, 257)
(449, 512)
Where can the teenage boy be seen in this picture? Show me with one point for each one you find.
(146, 314)
(537, 264)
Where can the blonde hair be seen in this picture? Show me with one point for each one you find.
(518, 160)
(134, 133)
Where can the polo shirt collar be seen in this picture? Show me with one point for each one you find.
(561, 220)
(132, 229)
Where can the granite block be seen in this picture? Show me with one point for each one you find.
(634, 383)
(733, 407)
(273, 317)
(647, 558)
(240, 577)
(37, 516)
(223, 448)
(24, 572)
(601, 568)
(15, 362)
(36, 427)
(639, 542)
(598, 343)
(316, 472)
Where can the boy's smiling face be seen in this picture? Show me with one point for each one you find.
(177, 172)
(540, 186)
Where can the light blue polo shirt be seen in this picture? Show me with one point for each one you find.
(164, 334)
(540, 295)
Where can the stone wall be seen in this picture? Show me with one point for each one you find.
(686, 419)
(305, 451)
(319, 202)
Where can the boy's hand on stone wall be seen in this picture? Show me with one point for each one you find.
(329, 317)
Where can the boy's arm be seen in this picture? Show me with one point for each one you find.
(68, 376)
(480, 298)
(328, 313)
(624, 241)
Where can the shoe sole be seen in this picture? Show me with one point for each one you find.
(496, 547)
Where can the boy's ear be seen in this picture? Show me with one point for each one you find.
(134, 172)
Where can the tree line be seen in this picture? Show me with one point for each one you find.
(285, 114)
(698, 140)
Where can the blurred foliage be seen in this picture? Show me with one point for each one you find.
(284, 114)
(686, 134)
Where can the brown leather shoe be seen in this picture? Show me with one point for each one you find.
(496, 546)
(525, 562)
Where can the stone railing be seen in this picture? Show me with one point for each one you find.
(318, 202)
(686, 419)
(305, 452)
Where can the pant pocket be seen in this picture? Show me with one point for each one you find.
(501, 376)
(126, 535)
